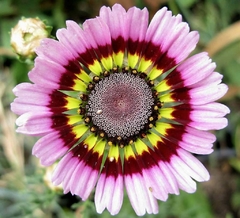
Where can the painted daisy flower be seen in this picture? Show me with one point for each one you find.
(117, 103)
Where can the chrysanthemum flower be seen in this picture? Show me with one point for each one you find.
(119, 105)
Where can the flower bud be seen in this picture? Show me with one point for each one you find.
(27, 35)
(48, 179)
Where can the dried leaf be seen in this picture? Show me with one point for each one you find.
(223, 39)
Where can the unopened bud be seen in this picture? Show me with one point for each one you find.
(27, 35)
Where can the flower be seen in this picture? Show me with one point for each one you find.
(27, 35)
(119, 105)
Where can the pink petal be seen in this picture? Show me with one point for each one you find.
(137, 18)
(30, 97)
(156, 29)
(192, 166)
(140, 197)
(66, 164)
(208, 94)
(109, 194)
(170, 181)
(194, 69)
(34, 124)
(54, 145)
(183, 179)
(156, 182)
(46, 74)
(115, 20)
(183, 45)
(73, 38)
(55, 56)
(82, 181)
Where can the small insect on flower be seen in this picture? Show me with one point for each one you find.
(99, 112)
(143, 103)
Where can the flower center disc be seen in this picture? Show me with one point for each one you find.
(120, 104)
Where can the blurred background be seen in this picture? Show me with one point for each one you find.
(25, 190)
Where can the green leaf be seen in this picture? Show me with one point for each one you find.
(6, 8)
